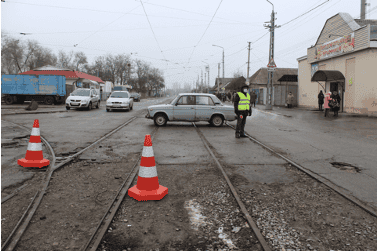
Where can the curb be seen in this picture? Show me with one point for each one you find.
(26, 113)
(343, 114)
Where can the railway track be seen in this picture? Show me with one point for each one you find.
(103, 225)
(21, 226)
(319, 178)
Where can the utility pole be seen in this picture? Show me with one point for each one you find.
(223, 63)
(197, 83)
(218, 75)
(201, 80)
(249, 49)
(271, 64)
(205, 80)
(363, 8)
(208, 79)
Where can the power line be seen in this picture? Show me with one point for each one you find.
(205, 30)
(84, 9)
(305, 13)
(198, 13)
(153, 31)
(106, 25)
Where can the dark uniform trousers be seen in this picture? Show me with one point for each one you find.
(241, 122)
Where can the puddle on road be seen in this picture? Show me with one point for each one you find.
(195, 216)
(346, 167)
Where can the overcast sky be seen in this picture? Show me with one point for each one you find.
(182, 33)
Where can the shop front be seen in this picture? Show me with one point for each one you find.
(344, 59)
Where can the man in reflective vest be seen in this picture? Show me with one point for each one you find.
(242, 108)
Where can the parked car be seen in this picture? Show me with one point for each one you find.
(135, 96)
(83, 98)
(119, 100)
(192, 107)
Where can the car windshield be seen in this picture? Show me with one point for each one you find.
(216, 100)
(119, 95)
(175, 100)
(78, 92)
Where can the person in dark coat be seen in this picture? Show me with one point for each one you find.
(253, 98)
(242, 114)
(336, 101)
(321, 100)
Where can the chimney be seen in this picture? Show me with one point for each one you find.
(363, 6)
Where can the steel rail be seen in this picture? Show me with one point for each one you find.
(343, 192)
(251, 223)
(70, 158)
(19, 222)
(9, 196)
(114, 206)
(51, 169)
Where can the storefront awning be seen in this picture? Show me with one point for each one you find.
(327, 75)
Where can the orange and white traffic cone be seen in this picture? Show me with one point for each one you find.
(34, 154)
(147, 187)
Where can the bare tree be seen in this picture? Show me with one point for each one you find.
(238, 74)
(65, 59)
(16, 54)
(79, 60)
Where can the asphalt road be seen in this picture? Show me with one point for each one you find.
(315, 142)
(292, 210)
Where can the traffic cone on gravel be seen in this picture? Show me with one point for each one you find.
(147, 187)
(34, 154)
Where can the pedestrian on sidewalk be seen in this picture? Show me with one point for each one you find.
(321, 100)
(253, 98)
(290, 100)
(242, 108)
(327, 99)
(336, 103)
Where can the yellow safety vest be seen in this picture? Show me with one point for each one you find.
(244, 102)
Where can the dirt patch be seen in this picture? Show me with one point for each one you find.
(199, 213)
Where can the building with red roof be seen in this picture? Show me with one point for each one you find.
(73, 78)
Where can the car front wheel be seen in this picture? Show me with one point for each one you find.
(89, 106)
(160, 120)
(217, 121)
(98, 104)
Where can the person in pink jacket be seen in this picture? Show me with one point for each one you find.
(327, 98)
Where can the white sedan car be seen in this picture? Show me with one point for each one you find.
(119, 100)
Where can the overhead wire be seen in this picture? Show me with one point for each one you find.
(152, 30)
(198, 13)
(106, 26)
(305, 13)
(205, 30)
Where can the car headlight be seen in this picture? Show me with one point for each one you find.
(84, 101)
(125, 102)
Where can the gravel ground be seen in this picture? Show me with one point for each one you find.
(307, 215)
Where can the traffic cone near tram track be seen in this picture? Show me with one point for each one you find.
(34, 154)
(147, 187)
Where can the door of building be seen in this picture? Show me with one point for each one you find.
(338, 87)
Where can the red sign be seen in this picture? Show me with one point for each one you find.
(271, 63)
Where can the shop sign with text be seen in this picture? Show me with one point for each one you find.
(335, 47)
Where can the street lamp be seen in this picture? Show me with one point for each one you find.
(208, 75)
(223, 57)
(218, 65)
